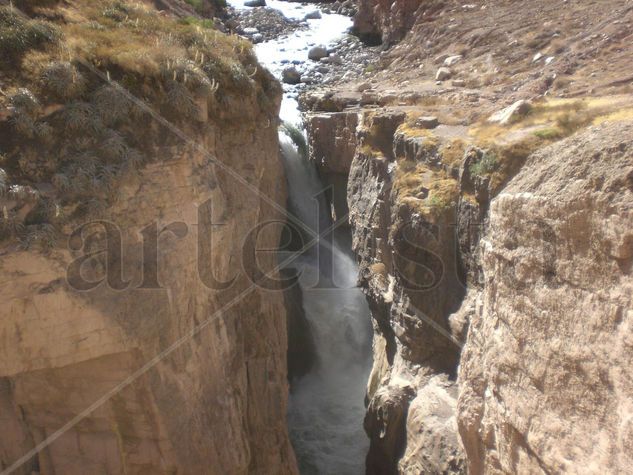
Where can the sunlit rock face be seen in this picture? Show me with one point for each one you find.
(545, 376)
(216, 401)
(530, 313)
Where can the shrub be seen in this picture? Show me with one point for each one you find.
(44, 133)
(569, 122)
(63, 82)
(25, 102)
(114, 147)
(18, 34)
(112, 105)
(81, 117)
(180, 100)
(486, 165)
(43, 234)
(23, 124)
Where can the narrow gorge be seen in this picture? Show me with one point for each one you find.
(351, 237)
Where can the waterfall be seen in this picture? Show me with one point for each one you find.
(326, 406)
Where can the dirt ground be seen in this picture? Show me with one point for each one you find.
(510, 50)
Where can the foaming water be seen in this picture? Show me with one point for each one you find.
(326, 407)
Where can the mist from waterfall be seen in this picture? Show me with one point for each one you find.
(326, 406)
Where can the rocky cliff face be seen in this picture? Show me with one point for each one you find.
(383, 21)
(411, 277)
(380, 21)
(545, 375)
(220, 395)
(332, 145)
(165, 351)
(495, 255)
(409, 272)
(531, 259)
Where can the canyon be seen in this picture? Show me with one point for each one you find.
(466, 309)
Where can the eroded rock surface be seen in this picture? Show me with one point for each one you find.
(159, 355)
(545, 377)
(220, 396)
(409, 272)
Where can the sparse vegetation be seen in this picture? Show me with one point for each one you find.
(486, 165)
(549, 133)
(453, 152)
(428, 191)
(74, 128)
(19, 34)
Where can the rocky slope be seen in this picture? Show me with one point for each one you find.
(130, 318)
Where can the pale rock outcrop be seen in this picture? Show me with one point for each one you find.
(443, 74)
(432, 444)
(510, 113)
(546, 374)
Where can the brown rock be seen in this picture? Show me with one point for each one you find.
(427, 122)
(215, 403)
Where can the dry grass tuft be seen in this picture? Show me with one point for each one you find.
(430, 192)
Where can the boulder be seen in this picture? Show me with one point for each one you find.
(333, 59)
(255, 3)
(451, 60)
(313, 15)
(511, 113)
(291, 75)
(317, 52)
(443, 74)
(427, 122)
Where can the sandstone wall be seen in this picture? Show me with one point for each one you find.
(217, 402)
(332, 145)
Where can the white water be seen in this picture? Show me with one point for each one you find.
(326, 407)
